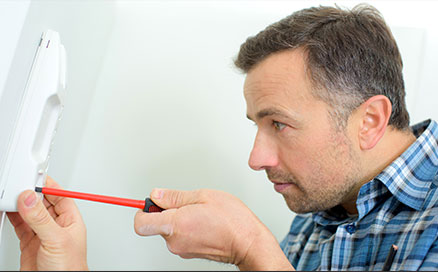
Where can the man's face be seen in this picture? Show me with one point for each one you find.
(314, 166)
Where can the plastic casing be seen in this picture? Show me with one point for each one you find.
(25, 163)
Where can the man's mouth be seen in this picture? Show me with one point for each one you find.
(281, 186)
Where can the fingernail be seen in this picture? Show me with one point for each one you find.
(157, 193)
(30, 200)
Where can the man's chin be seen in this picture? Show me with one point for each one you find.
(298, 207)
(303, 205)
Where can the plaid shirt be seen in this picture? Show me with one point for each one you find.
(399, 206)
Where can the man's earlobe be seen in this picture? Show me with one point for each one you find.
(374, 120)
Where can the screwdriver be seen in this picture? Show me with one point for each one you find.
(146, 205)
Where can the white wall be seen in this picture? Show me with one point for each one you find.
(13, 15)
(166, 109)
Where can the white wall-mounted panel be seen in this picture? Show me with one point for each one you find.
(85, 28)
(12, 17)
(29, 122)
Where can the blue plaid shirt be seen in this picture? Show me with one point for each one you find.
(399, 206)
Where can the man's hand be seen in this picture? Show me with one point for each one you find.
(212, 225)
(51, 232)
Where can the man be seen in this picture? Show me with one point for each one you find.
(325, 89)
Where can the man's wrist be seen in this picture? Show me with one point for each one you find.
(265, 254)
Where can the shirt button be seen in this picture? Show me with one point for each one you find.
(351, 228)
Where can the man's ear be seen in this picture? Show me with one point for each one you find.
(375, 113)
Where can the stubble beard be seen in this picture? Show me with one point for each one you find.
(319, 198)
(321, 191)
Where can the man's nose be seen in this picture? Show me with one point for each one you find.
(264, 153)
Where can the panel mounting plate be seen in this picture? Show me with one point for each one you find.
(25, 160)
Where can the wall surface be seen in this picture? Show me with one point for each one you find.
(154, 101)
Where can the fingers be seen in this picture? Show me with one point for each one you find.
(24, 233)
(14, 218)
(147, 224)
(168, 199)
(52, 184)
(20, 227)
(35, 214)
(62, 205)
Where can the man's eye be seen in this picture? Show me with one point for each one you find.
(278, 126)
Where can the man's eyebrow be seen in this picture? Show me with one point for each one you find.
(269, 112)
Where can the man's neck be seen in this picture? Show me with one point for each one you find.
(389, 148)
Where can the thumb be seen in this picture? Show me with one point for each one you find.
(35, 214)
(168, 199)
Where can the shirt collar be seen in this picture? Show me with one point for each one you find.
(408, 178)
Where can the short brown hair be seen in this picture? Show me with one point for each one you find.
(351, 56)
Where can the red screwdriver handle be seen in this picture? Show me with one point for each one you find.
(151, 207)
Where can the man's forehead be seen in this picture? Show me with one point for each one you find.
(279, 86)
